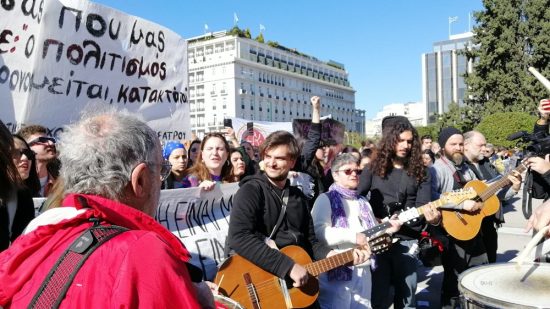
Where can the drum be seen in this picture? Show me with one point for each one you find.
(506, 285)
(223, 302)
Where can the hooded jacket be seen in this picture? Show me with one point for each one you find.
(144, 267)
(256, 208)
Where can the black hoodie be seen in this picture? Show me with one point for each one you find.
(256, 208)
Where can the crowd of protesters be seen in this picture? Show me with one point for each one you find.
(350, 190)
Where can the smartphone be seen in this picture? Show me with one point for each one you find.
(228, 123)
(250, 127)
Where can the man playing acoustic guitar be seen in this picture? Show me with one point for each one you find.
(452, 173)
(255, 231)
(474, 144)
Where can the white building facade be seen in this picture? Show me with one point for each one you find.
(414, 111)
(231, 76)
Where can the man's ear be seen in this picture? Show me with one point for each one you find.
(139, 180)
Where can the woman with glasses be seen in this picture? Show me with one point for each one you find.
(16, 206)
(339, 217)
(175, 153)
(25, 162)
(212, 166)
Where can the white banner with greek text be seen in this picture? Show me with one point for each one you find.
(60, 57)
(201, 220)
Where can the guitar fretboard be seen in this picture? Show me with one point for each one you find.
(324, 265)
(499, 184)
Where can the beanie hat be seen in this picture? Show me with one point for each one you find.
(171, 146)
(445, 134)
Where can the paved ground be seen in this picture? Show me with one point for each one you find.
(511, 240)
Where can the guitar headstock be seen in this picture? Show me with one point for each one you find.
(456, 197)
(380, 243)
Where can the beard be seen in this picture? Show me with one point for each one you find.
(401, 160)
(456, 157)
(279, 178)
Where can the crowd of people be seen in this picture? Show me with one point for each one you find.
(103, 177)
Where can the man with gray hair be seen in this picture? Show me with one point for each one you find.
(112, 169)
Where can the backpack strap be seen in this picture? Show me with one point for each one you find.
(54, 288)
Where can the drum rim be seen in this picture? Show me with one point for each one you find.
(231, 301)
(467, 294)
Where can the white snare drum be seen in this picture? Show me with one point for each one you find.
(506, 285)
(224, 302)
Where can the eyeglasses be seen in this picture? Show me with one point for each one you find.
(42, 140)
(18, 153)
(349, 171)
(194, 150)
(165, 169)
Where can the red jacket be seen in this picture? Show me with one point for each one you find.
(144, 267)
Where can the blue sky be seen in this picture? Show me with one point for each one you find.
(380, 42)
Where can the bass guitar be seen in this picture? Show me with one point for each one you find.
(254, 288)
(464, 225)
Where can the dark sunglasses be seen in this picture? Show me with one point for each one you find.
(18, 153)
(349, 171)
(42, 140)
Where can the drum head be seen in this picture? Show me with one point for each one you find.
(508, 285)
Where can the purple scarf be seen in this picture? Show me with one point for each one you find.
(339, 219)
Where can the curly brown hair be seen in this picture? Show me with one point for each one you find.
(382, 164)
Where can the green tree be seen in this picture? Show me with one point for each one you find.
(260, 38)
(498, 126)
(499, 67)
(537, 20)
(431, 130)
(247, 33)
(510, 36)
(463, 118)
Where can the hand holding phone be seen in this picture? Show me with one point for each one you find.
(228, 123)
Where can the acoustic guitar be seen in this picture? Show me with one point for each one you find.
(255, 288)
(464, 225)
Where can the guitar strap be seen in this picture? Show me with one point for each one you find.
(284, 202)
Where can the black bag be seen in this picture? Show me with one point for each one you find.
(430, 250)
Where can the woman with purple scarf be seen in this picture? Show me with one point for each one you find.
(339, 217)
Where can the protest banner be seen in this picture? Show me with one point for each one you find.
(58, 56)
(332, 131)
(260, 130)
(201, 220)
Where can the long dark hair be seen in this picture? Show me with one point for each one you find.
(33, 182)
(9, 176)
(383, 164)
(189, 161)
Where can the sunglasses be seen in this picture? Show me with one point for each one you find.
(42, 140)
(349, 171)
(18, 153)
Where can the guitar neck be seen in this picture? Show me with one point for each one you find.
(324, 265)
(499, 184)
